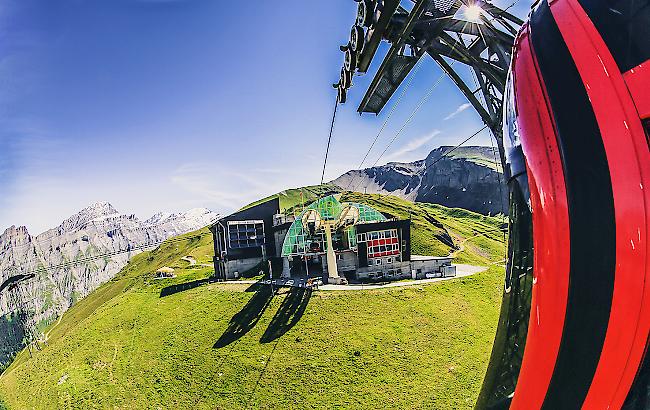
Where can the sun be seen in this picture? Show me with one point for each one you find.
(473, 13)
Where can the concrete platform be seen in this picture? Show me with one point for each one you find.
(461, 271)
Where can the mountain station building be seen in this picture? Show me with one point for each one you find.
(337, 241)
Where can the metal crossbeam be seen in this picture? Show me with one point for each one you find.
(481, 45)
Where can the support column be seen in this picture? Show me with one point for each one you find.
(332, 269)
(286, 270)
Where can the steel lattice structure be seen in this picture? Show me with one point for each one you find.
(442, 30)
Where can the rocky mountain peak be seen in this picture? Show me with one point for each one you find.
(95, 212)
(74, 258)
(13, 235)
(467, 177)
(98, 209)
(198, 213)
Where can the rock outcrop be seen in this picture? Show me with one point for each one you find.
(466, 178)
(72, 260)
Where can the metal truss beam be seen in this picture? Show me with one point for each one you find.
(436, 28)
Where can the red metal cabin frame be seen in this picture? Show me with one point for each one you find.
(579, 111)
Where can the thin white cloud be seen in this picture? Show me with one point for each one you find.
(460, 109)
(211, 184)
(406, 152)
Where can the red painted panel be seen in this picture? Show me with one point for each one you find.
(629, 166)
(550, 230)
(638, 82)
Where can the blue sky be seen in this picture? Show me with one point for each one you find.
(165, 105)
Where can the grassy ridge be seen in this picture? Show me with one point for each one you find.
(218, 346)
(289, 198)
(475, 155)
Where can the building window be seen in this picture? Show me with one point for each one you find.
(389, 260)
(245, 234)
(382, 243)
(377, 261)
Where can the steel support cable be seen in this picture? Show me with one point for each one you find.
(329, 139)
(390, 113)
(446, 154)
(494, 154)
(422, 101)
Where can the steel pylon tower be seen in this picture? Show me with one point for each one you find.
(474, 36)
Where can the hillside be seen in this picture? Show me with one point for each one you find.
(289, 198)
(137, 342)
(467, 177)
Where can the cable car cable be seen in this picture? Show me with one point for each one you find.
(390, 113)
(329, 139)
(446, 154)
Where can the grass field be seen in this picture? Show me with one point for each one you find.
(137, 342)
(290, 198)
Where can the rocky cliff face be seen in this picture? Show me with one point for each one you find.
(72, 260)
(467, 178)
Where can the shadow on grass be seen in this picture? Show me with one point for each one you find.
(170, 290)
(256, 287)
(247, 318)
(289, 313)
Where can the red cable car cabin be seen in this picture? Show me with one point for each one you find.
(575, 318)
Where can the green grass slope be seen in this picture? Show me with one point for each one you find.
(220, 346)
(478, 155)
(290, 198)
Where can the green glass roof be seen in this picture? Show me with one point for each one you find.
(297, 240)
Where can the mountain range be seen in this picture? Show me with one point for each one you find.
(69, 261)
(89, 248)
(465, 177)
